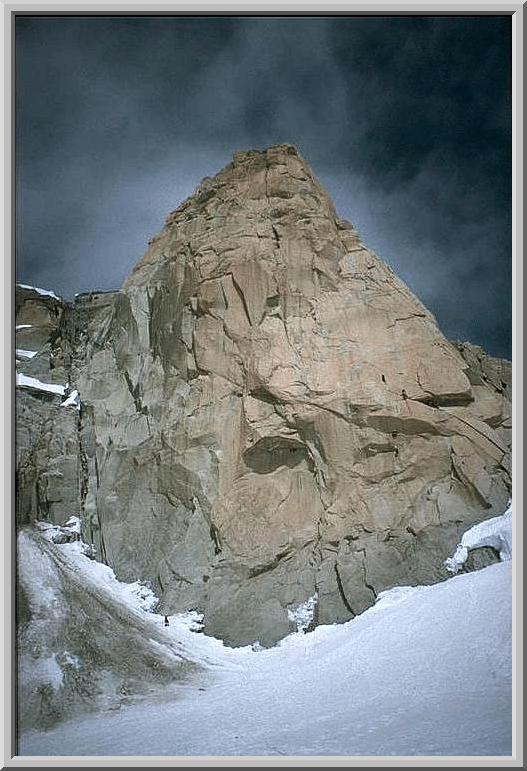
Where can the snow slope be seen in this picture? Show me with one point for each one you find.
(426, 671)
(82, 646)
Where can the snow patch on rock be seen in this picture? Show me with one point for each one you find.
(303, 614)
(62, 533)
(24, 381)
(73, 400)
(21, 353)
(38, 290)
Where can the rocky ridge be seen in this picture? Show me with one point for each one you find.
(267, 413)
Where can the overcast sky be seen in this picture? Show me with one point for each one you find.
(406, 121)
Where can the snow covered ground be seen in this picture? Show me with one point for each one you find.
(426, 671)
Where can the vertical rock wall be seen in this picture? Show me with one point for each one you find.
(268, 413)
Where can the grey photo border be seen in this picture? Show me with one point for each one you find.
(248, 8)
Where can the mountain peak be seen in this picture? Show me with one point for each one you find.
(273, 151)
(269, 415)
(259, 195)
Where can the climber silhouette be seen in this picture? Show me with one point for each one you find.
(166, 621)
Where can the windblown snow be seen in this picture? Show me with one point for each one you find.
(426, 671)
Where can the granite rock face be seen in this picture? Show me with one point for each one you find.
(269, 414)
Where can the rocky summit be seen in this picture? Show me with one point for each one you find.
(263, 415)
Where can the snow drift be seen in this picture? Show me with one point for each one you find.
(495, 532)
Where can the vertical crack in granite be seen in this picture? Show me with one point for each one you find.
(342, 592)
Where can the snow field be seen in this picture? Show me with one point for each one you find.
(426, 671)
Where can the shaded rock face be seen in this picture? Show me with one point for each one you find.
(268, 413)
(47, 447)
(51, 467)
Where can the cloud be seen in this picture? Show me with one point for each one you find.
(405, 120)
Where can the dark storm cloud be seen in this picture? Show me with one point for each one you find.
(405, 120)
